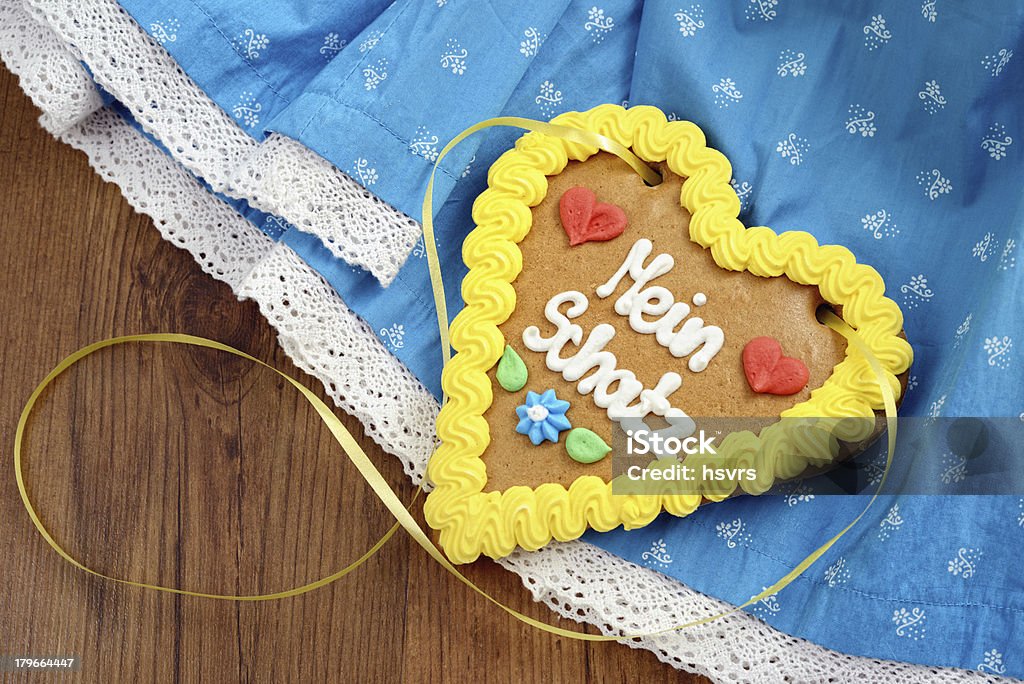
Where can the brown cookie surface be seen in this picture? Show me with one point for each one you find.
(743, 305)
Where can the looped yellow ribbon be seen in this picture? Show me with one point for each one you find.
(370, 473)
(577, 135)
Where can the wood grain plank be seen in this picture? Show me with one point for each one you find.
(195, 469)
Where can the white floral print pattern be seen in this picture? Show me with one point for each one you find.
(529, 46)
(370, 42)
(964, 564)
(954, 469)
(454, 57)
(909, 623)
(962, 330)
(915, 291)
(598, 24)
(744, 191)
(992, 662)
(332, 45)
(996, 63)
(393, 336)
(250, 44)
(984, 247)
(875, 469)
(801, 493)
(928, 10)
(890, 523)
(793, 148)
(932, 98)
(419, 250)
(762, 10)
(365, 174)
(935, 409)
(934, 184)
(376, 73)
(549, 98)
(912, 383)
(690, 20)
(837, 573)
(247, 110)
(1007, 260)
(876, 34)
(996, 141)
(275, 226)
(998, 350)
(658, 555)
(733, 532)
(791, 63)
(423, 144)
(769, 605)
(165, 31)
(860, 121)
(880, 224)
(726, 93)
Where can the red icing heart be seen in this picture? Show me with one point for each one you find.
(769, 372)
(585, 219)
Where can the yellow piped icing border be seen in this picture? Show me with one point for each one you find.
(471, 521)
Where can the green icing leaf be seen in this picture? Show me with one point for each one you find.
(585, 446)
(512, 373)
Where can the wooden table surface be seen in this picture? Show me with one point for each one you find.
(196, 469)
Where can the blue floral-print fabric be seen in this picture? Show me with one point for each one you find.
(892, 128)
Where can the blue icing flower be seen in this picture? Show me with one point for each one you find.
(542, 417)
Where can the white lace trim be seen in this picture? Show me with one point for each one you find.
(575, 579)
(223, 243)
(352, 222)
(324, 338)
(581, 582)
(279, 176)
(57, 83)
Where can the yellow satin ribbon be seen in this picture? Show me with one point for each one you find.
(370, 473)
(577, 135)
(348, 444)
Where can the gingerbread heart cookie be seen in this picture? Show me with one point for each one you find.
(651, 317)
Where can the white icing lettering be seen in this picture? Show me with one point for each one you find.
(641, 275)
(629, 402)
(641, 300)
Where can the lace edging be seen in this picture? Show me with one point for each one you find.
(584, 583)
(49, 74)
(279, 176)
